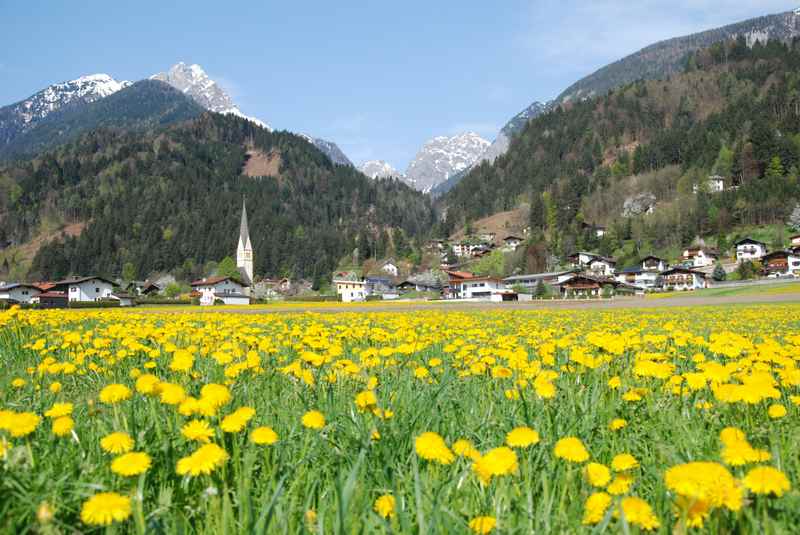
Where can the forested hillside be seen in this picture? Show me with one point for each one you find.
(171, 198)
(735, 111)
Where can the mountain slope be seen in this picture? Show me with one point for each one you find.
(170, 199)
(735, 112)
(442, 157)
(666, 58)
(145, 104)
(22, 116)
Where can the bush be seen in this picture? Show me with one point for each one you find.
(314, 299)
(164, 301)
(104, 303)
(719, 273)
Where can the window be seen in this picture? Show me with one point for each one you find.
(97, 290)
(73, 289)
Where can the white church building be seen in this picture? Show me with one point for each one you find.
(244, 252)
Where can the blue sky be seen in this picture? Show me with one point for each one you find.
(377, 77)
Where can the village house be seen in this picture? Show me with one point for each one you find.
(654, 263)
(383, 286)
(465, 285)
(390, 268)
(587, 286)
(714, 184)
(597, 230)
(531, 281)
(681, 279)
(749, 249)
(510, 243)
(19, 293)
(781, 264)
(423, 282)
(699, 257)
(487, 237)
(581, 260)
(350, 290)
(602, 267)
(226, 289)
(641, 278)
(85, 288)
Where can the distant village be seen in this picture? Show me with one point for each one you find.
(584, 275)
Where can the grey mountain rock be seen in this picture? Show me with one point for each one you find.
(442, 157)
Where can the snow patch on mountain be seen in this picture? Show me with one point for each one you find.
(442, 157)
(84, 89)
(379, 169)
(194, 82)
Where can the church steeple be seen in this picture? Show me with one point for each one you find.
(244, 252)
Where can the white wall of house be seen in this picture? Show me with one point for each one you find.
(390, 269)
(351, 290)
(601, 267)
(21, 294)
(684, 281)
(91, 290)
(479, 289)
(750, 251)
(210, 292)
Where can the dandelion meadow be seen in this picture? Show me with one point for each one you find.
(656, 421)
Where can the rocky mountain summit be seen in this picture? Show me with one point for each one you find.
(442, 157)
(379, 169)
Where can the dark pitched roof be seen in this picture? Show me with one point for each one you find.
(13, 285)
(750, 240)
(210, 281)
(80, 280)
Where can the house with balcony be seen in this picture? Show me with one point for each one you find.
(228, 290)
(750, 250)
(682, 279)
(781, 263)
(699, 257)
(647, 280)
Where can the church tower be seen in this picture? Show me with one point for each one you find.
(244, 252)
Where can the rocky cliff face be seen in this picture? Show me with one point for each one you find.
(442, 157)
(379, 169)
(193, 81)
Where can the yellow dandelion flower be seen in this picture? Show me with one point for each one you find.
(263, 436)
(131, 464)
(522, 437)
(595, 508)
(624, 462)
(571, 449)
(482, 524)
(617, 423)
(432, 447)
(114, 393)
(766, 480)
(366, 400)
(597, 474)
(497, 462)
(117, 443)
(59, 409)
(464, 448)
(776, 411)
(198, 430)
(237, 420)
(384, 506)
(639, 513)
(313, 420)
(203, 461)
(63, 425)
(105, 508)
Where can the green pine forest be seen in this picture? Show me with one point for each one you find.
(734, 111)
(170, 200)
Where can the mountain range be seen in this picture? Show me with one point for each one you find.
(20, 123)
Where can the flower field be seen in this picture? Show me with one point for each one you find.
(659, 421)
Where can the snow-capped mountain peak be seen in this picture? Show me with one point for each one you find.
(194, 82)
(442, 157)
(379, 169)
(84, 89)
